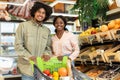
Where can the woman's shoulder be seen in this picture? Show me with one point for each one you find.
(53, 36)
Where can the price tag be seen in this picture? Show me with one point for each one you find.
(91, 38)
(98, 56)
(118, 32)
(111, 57)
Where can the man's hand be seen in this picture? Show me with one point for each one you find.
(45, 57)
(33, 58)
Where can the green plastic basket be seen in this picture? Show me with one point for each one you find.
(53, 64)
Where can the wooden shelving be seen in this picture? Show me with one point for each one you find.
(57, 4)
(114, 11)
(113, 14)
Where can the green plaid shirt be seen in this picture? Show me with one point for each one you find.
(31, 39)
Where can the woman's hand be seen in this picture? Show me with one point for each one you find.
(69, 59)
(60, 58)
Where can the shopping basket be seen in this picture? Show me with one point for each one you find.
(38, 75)
(77, 75)
(53, 64)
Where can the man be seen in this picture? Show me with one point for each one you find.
(33, 39)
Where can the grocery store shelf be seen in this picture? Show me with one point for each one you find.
(11, 76)
(61, 1)
(113, 11)
(17, 3)
(7, 33)
(64, 14)
(78, 31)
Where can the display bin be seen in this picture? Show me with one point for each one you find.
(98, 54)
(103, 36)
(105, 75)
(81, 51)
(84, 56)
(115, 34)
(93, 53)
(83, 39)
(92, 38)
(94, 73)
(111, 55)
(89, 39)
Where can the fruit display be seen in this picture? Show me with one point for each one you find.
(89, 35)
(113, 24)
(101, 33)
(90, 31)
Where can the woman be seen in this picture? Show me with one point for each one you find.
(64, 43)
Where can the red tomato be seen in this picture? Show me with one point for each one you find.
(46, 72)
(50, 75)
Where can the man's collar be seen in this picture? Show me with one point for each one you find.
(36, 24)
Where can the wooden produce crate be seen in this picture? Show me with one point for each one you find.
(93, 52)
(83, 39)
(88, 39)
(81, 51)
(110, 54)
(104, 36)
(115, 34)
(98, 53)
(105, 75)
(92, 38)
(84, 56)
(94, 73)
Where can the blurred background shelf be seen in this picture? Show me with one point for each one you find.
(113, 11)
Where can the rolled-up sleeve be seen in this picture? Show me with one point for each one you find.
(75, 46)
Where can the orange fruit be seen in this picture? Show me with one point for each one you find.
(62, 71)
(111, 25)
(104, 28)
(116, 26)
(117, 21)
